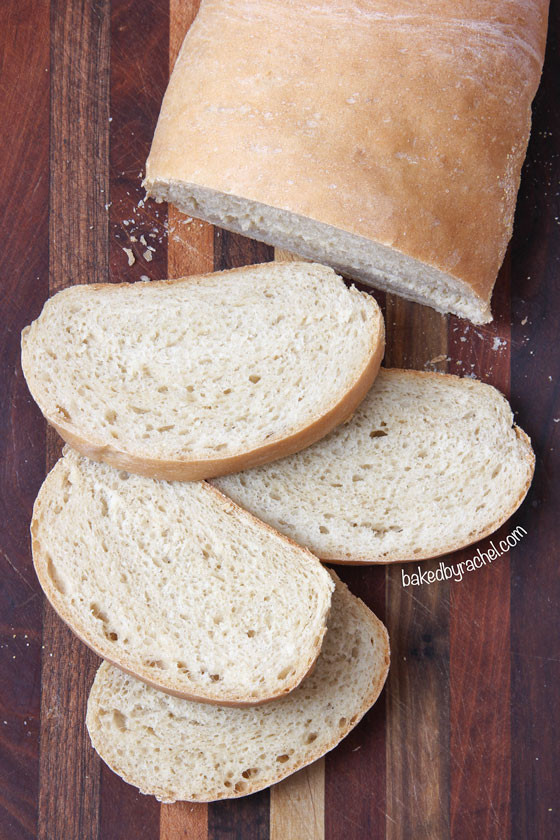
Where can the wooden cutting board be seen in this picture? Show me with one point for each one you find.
(463, 743)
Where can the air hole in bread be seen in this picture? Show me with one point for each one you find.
(377, 433)
(250, 633)
(119, 720)
(63, 412)
(56, 580)
(311, 737)
(282, 758)
(342, 722)
(215, 677)
(250, 772)
(254, 378)
(98, 613)
(284, 673)
(323, 529)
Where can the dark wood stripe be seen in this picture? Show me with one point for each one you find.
(418, 622)
(480, 625)
(139, 73)
(239, 819)
(24, 162)
(359, 761)
(233, 251)
(535, 393)
(79, 189)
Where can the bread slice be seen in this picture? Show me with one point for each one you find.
(175, 749)
(193, 378)
(429, 463)
(176, 584)
(384, 138)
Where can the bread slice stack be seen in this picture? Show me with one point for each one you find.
(233, 657)
(176, 749)
(156, 386)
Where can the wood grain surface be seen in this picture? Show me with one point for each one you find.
(463, 742)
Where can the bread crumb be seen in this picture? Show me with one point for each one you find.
(130, 256)
(147, 255)
(498, 343)
(524, 321)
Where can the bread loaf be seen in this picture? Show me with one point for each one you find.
(429, 463)
(176, 584)
(194, 378)
(383, 138)
(175, 749)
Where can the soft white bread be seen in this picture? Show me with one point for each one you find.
(179, 750)
(198, 377)
(382, 137)
(428, 463)
(176, 584)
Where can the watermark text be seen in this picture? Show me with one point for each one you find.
(457, 571)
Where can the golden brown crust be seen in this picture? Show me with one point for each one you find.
(196, 470)
(414, 138)
(106, 651)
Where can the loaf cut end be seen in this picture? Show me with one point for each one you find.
(356, 257)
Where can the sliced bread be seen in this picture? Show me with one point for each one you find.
(175, 749)
(194, 378)
(176, 584)
(428, 463)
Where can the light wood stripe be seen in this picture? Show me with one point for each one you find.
(297, 805)
(190, 250)
(417, 746)
(184, 821)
